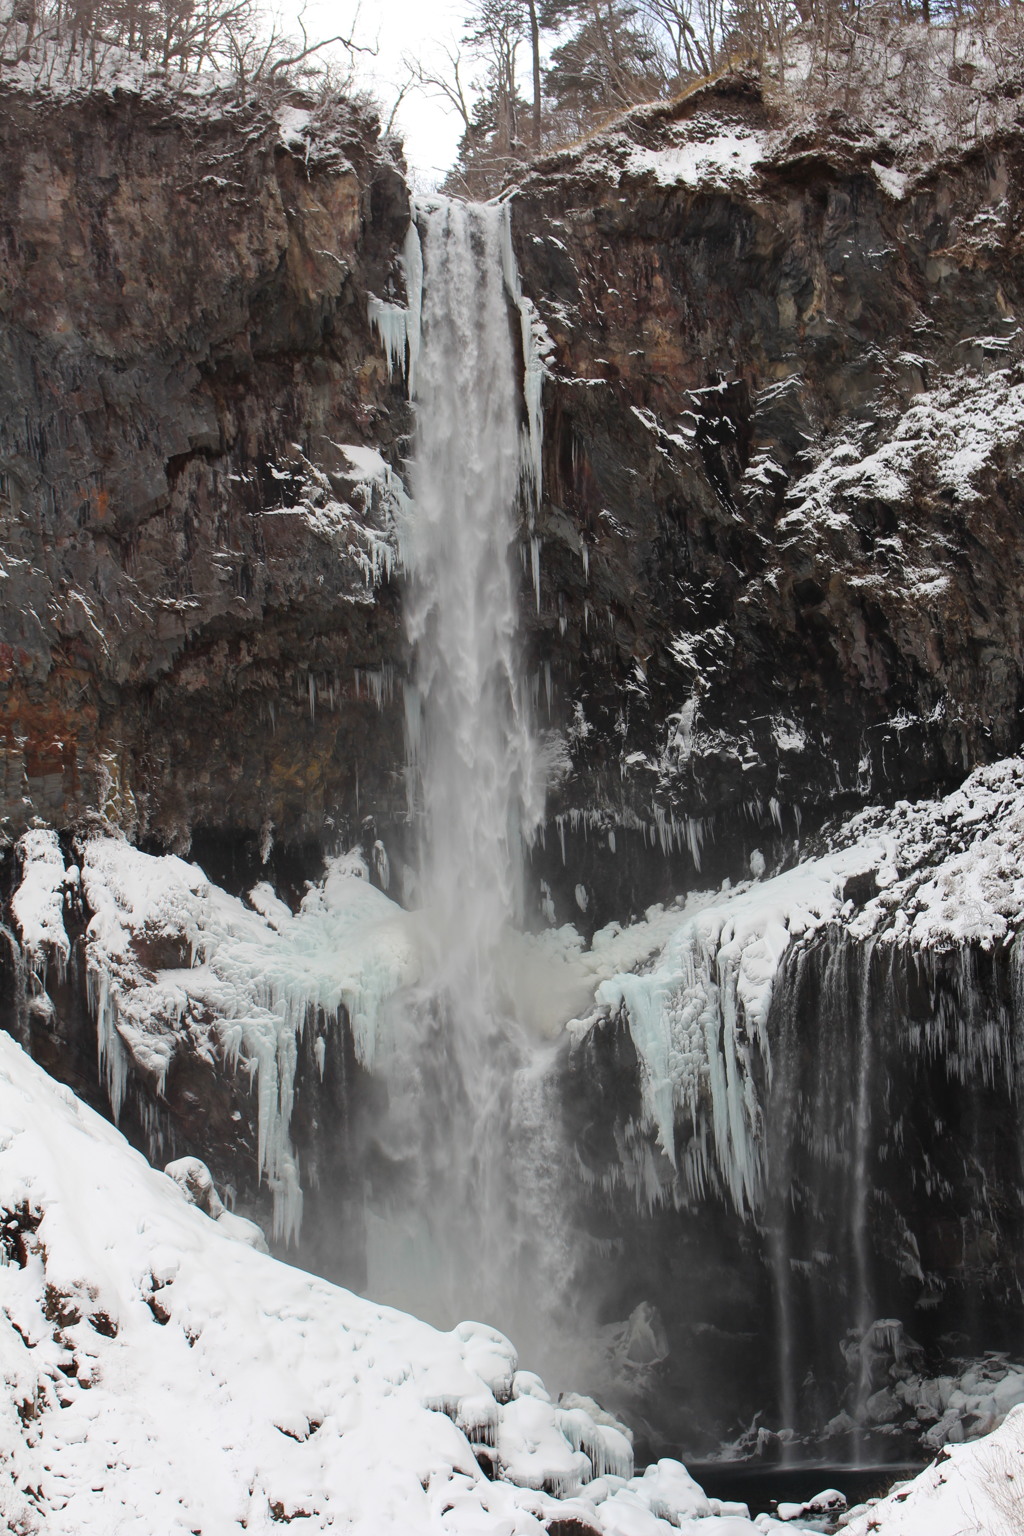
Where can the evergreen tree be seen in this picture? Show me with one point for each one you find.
(609, 60)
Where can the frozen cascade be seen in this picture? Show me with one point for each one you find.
(876, 1171)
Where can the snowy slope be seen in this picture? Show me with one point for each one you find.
(162, 1377)
(969, 1490)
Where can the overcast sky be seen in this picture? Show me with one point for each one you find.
(398, 28)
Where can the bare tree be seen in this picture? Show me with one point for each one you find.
(447, 80)
(175, 36)
(694, 31)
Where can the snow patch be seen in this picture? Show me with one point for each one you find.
(727, 157)
(38, 902)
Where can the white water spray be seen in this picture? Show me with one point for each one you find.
(474, 767)
(467, 1225)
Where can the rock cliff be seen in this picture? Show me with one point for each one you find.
(782, 442)
(776, 561)
(194, 568)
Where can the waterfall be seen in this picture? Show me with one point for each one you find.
(449, 1219)
(473, 763)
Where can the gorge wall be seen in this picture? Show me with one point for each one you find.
(194, 571)
(764, 572)
(781, 449)
(771, 580)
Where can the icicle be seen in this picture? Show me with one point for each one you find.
(390, 321)
(399, 327)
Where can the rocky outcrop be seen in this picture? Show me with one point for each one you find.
(196, 573)
(782, 443)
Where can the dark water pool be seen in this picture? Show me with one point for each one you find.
(762, 1486)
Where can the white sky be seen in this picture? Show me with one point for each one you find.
(399, 27)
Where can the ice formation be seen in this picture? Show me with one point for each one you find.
(170, 958)
(38, 902)
(947, 875)
(258, 972)
(397, 325)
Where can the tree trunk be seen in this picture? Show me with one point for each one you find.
(535, 51)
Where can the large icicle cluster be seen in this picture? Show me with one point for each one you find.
(171, 958)
(946, 874)
(160, 1377)
(258, 975)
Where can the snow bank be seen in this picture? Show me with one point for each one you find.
(969, 1490)
(161, 1377)
(707, 149)
(723, 157)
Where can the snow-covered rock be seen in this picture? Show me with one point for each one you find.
(926, 876)
(38, 902)
(169, 955)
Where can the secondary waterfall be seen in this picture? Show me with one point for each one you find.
(463, 1075)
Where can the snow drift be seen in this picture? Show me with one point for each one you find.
(162, 1376)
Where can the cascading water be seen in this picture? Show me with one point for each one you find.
(462, 1061)
(471, 750)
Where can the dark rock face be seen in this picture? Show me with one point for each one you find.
(186, 623)
(893, 1166)
(733, 629)
(185, 342)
